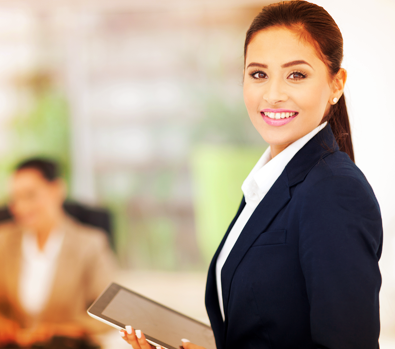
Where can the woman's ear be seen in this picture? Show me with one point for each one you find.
(338, 83)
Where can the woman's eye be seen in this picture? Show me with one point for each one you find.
(258, 75)
(297, 76)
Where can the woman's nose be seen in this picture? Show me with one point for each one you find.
(274, 92)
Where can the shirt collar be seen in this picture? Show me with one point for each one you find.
(51, 249)
(267, 170)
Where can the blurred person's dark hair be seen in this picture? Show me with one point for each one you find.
(48, 169)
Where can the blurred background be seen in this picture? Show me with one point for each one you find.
(141, 103)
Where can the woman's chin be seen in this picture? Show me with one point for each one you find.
(28, 224)
(278, 139)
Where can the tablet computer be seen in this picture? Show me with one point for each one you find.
(118, 307)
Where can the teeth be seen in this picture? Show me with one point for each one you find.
(272, 115)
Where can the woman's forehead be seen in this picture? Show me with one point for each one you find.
(280, 43)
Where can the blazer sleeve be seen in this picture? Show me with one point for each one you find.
(339, 249)
(99, 272)
(101, 267)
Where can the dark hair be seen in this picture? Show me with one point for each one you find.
(315, 25)
(48, 169)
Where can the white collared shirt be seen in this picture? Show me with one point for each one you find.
(38, 270)
(255, 187)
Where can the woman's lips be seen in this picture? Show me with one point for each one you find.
(278, 117)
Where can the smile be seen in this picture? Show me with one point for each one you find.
(278, 117)
(282, 115)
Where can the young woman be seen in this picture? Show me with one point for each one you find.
(298, 266)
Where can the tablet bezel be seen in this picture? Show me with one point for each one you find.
(100, 304)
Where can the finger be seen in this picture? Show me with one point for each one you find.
(129, 336)
(186, 344)
(142, 340)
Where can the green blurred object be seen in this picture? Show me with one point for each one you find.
(40, 131)
(218, 173)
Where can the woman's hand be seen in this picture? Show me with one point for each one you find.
(8, 330)
(137, 340)
(186, 344)
(45, 331)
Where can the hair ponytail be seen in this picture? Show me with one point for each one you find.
(315, 25)
(340, 124)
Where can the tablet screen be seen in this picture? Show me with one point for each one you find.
(163, 325)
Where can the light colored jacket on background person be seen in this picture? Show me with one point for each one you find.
(85, 266)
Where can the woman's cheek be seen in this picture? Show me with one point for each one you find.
(248, 92)
(251, 101)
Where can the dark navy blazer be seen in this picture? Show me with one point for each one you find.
(304, 272)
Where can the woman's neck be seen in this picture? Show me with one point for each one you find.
(277, 149)
(42, 238)
(44, 231)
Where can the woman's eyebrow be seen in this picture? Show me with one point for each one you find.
(259, 65)
(285, 65)
(290, 64)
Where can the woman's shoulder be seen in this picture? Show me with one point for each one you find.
(336, 167)
(10, 238)
(8, 231)
(337, 178)
(336, 198)
(85, 236)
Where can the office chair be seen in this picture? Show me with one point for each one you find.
(97, 217)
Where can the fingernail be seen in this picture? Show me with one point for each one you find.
(122, 333)
(158, 348)
(128, 329)
(185, 340)
(138, 334)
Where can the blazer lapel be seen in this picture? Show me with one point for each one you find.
(62, 269)
(13, 270)
(321, 145)
(211, 300)
(277, 197)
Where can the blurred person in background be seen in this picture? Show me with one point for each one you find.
(51, 266)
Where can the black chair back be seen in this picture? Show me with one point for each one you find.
(97, 217)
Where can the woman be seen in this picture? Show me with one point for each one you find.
(51, 266)
(298, 266)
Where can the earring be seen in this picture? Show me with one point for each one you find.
(334, 100)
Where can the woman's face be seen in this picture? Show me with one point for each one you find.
(35, 202)
(287, 88)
